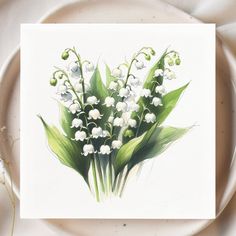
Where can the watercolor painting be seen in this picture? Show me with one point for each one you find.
(109, 129)
(118, 125)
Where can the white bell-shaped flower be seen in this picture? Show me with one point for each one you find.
(117, 72)
(88, 149)
(105, 133)
(124, 92)
(132, 123)
(133, 106)
(146, 93)
(109, 101)
(79, 88)
(156, 102)
(168, 74)
(76, 123)
(92, 100)
(160, 89)
(89, 67)
(65, 97)
(80, 135)
(62, 89)
(150, 118)
(110, 119)
(121, 106)
(113, 85)
(97, 132)
(105, 149)
(139, 65)
(118, 121)
(116, 144)
(134, 81)
(158, 72)
(94, 114)
(75, 107)
(75, 70)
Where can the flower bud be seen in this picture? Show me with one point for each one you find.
(65, 55)
(147, 57)
(177, 61)
(129, 133)
(53, 81)
(170, 62)
(153, 52)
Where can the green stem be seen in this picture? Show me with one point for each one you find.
(95, 180)
(99, 169)
(117, 187)
(110, 173)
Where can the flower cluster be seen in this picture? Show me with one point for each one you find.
(125, 90)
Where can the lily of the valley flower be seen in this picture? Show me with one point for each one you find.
(79, 88)
(139, 65)
(105, 150)
(92, 100)
(62, 89)
(109, 101)
(80, 135)
(133, 106)
(88, 149)
(76, 123)
(156, 102)
(110, 119)
(146, 93)
(158, 72)
(105, 133)
(75, 107)
(97, 132)
(132, 123)
(116, 144)
(121, 106)
(117, 73)
(124, 92)
(150, 118)
(94, 114)
(89, 67)
(65, 97)
(134, 81)
(168, 74)
(160, 89)
(118, 122)
(75, 70)
(113, 85)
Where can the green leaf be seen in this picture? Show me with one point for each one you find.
(169, 102)
(126, 152)
(66, 118)
(66, 150)
(109, 77)
(160, 140)
(99, 90)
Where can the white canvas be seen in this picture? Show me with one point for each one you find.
(177, 184)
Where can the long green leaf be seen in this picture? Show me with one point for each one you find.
(126, 152)
(160, 140)
(169, 102)
(67, 151)
(66, 118)
(109, 77)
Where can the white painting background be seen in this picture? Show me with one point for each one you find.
(180, 183)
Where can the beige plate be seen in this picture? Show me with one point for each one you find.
(128, 11)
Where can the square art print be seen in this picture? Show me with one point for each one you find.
(118, 121)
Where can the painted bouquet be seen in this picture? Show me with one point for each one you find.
(108, 130)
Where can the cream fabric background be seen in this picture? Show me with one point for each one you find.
(14, 12)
